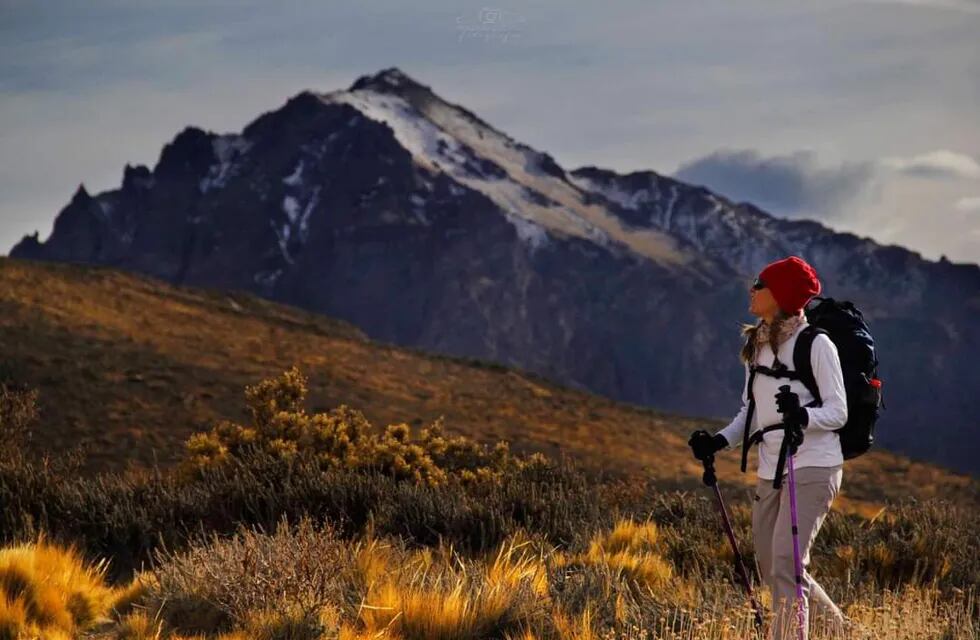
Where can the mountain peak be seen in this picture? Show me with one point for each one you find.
(390, 80)
(136, 176)
(81, 195)
(29, 247)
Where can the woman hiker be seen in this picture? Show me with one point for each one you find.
(778, 297)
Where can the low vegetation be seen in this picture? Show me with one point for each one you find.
(302, 526)
(344, 439)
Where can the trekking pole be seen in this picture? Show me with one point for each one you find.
(711, 480)
(800, 618)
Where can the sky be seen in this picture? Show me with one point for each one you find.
(862, 114)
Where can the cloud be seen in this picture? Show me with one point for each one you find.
(969, 204)
(797, 185)
(885, 199)
(792, 185)
(941, 163)
(970, 6)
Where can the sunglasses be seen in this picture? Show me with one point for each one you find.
(758, 284)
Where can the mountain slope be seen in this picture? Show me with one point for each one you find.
(131, 366)
(410, 217)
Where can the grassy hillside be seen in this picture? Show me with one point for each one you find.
(130, 367)
(267, 548)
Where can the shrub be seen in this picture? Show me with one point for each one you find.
(299, 582)
(252, 580)
(126, 518)
(342, 438)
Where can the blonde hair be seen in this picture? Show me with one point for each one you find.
(750, 330)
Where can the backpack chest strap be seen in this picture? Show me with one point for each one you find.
(780, 371)
(756, 437)
(777, 370)
(801, 371)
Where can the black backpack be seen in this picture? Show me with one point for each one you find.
(845, 326)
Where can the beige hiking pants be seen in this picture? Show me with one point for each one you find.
(816, 488)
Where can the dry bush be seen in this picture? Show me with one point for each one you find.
(299, 582)
(252, 580)
(343, 438)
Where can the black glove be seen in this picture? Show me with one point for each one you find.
(794, 437)
(704, 445)
(788, 404)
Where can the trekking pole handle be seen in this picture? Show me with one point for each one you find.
(708, 477)
(784, 388)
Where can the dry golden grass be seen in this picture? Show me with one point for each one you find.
(138, 626)
(523, 591)
(305, 583)
(440, 597)
(133, 367)
(49, 591)
(632, 550)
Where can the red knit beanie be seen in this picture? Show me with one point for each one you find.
(792, 282)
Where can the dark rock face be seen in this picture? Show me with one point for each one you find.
(414, 219)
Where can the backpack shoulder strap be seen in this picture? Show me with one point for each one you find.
(748, 418)
(802, 363)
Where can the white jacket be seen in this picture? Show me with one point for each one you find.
(821, 445)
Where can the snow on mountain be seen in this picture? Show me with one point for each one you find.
(227, 149)
(525, 183)
(628, 199)
(296, 177)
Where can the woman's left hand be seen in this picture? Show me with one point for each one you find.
(788, 404)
